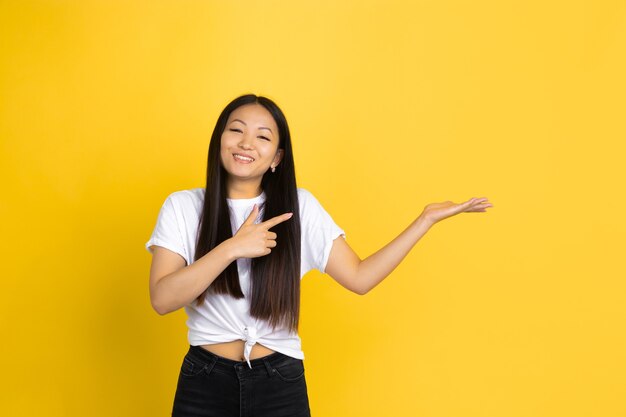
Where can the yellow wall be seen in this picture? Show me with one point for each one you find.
(106, 107)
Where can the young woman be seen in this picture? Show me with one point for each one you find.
(233, 254)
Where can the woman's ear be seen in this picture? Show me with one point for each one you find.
(277, 158)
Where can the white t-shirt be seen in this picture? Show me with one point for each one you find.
(222, 318)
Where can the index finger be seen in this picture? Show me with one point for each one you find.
(276, 220)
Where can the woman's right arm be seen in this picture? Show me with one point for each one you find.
(174, 285)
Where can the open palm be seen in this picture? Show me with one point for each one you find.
(438, 211)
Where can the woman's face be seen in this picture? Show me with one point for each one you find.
(249, 144)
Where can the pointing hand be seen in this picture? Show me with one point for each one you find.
(254, 240)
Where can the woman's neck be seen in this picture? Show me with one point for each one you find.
(243, 189)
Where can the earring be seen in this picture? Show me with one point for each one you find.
(273, 169)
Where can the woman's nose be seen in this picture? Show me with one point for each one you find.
(246, 142)
(245, 145)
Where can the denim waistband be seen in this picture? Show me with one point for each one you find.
(229, 365)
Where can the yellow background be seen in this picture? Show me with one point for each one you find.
(106, 107)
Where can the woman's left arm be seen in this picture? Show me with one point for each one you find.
(360, 276)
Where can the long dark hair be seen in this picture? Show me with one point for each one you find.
(275, 278)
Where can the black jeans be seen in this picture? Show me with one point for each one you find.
(211, 385)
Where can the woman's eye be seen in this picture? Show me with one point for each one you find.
(263, 137)
(235, 130)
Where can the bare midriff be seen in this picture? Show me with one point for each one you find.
(234, 350)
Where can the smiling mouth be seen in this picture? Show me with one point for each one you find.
(242, 158)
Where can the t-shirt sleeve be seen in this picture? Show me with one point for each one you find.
(167, 232)
(319, 231)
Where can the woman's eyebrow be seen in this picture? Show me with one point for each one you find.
(244, 123)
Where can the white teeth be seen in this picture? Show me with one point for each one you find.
(243, 158)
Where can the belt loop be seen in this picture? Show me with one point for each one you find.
(269, 368)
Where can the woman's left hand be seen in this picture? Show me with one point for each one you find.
(438, 211)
